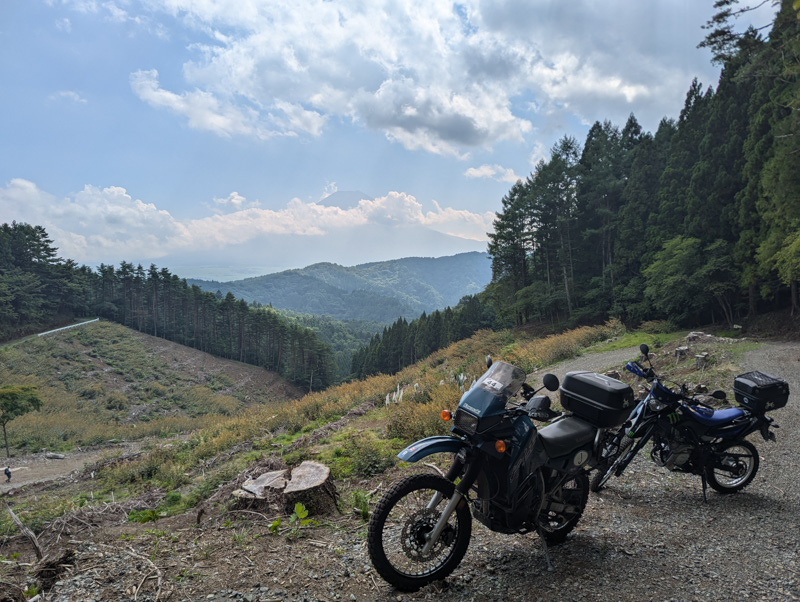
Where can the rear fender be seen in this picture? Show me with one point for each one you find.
(431, 445)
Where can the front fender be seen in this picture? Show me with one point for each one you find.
(430, 445)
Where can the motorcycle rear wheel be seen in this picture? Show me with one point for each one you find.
(397, 529)
(735, 464)
(563, 508)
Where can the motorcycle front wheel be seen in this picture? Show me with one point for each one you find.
(615, 451)
(563, 508)
(406, 513)
(734, 465)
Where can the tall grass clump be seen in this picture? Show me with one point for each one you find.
(534, 354)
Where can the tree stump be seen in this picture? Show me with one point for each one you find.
(309, 484)
(700, 360)
(680, 353)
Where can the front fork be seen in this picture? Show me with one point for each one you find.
(460, 492)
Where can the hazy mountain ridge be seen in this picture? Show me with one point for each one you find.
(379, 291)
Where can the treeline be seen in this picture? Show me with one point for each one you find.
(698, 222)
(39, 290)
(405, 343)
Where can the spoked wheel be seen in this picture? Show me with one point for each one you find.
(563, 508)
(606, 469)
(398, 529)
(734, 465)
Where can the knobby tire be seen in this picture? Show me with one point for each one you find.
(396, 530)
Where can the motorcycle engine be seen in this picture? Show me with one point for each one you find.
(672, 455)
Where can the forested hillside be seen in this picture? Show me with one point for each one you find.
(698, 222)
(379, 292)
(40, 290)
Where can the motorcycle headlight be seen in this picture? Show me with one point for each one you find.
(465, 422)
(655, 405)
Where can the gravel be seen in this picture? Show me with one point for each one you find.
(648, 536)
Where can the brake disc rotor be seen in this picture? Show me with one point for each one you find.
(418, 525)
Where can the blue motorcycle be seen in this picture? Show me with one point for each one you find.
(509, 475)
(690, 436)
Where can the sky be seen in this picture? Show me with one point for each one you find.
(232, 138)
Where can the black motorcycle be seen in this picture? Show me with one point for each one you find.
(690, 436)
(514, 477)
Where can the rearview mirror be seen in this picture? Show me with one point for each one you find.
(488, 361)
(719, 395)
(644, 349)
(550, 382)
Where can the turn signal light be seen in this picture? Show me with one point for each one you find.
(500, 446)
(446, 415)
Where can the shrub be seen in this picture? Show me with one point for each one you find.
(368, 456)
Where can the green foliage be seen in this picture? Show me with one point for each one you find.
(688, 225)
(369, 455)
(298, 521)
(143, 516)
(14, 402)
(37, 290)
(359, 500)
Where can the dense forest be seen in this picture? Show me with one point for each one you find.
(696, 223)
(376, 292)
(40, 290)
(404, 343)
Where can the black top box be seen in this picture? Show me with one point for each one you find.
(600, 400)
(760, 392)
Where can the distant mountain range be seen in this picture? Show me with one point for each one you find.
(381, 292)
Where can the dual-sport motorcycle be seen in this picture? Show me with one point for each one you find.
(514, 477)
(690, 436)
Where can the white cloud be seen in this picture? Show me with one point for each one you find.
(108, 225)
(233, 202)
(203, 110)
(69, 95)
(433, 76)
(330, 188)
(493, 172)
(95, 224)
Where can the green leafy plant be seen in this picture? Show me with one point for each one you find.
(298, 520)
(275, 526)
(143, 516)
(360, 501)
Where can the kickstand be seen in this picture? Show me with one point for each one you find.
(703, 479)
(546, 551)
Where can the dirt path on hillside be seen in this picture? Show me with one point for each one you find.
(38, 468)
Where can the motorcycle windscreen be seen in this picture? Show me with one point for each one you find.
(490, 392)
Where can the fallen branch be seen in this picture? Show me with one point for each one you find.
(26, 532)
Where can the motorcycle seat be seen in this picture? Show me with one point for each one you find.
(715, 417)
(568, 434)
